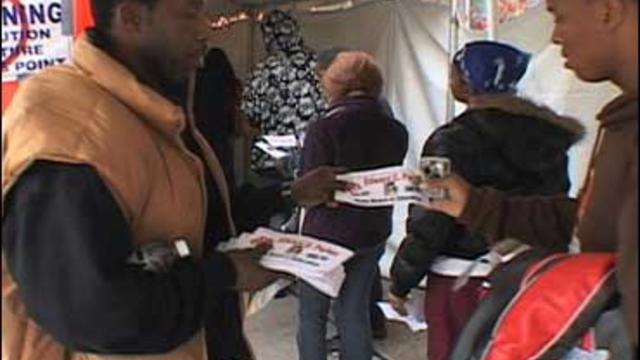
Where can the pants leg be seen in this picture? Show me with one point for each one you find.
(463, 303)
(352, 306)
(224, 329)
(378, 321)
(313, 308)
(439, 333)
(447, 312)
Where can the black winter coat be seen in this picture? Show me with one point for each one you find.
(505, 142)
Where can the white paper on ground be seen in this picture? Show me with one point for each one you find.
(412, 320)
(381, 187)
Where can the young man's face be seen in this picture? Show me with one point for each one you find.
(579, 30)
(174, 39)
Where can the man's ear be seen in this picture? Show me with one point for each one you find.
(130, 15)
(612, 13)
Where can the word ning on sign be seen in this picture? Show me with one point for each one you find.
(34, 37)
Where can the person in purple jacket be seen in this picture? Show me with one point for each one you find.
(356, 134)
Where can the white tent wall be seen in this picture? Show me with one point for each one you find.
(409, 40)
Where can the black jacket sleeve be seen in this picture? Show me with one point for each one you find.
(254, 205)
(430, 233)
(427, 235)
(66, 244)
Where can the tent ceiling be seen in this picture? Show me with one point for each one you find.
(230, 5)
(226, 6)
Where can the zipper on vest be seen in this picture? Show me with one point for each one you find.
(203, 186)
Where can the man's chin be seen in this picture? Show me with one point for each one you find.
(587, 76)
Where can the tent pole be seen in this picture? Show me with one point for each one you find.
(247, 143)
(252, 38)
(454, 26)
(491, 19)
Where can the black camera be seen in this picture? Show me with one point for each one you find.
(435, 167)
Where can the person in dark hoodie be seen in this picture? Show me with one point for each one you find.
(282, 95)
(501, 140)
(216, 108)
(356, 134)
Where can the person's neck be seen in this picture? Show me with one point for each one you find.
(137, 66)
(477, 100)
(626, 76)
(626, 69)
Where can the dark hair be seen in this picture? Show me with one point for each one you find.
(217, 93)
(102, 11)
(216, 104)
(327, 56)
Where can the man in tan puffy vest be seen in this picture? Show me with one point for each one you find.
(111, 199)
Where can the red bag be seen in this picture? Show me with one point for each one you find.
(559, 300)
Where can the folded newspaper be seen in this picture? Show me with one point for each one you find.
(381, 187)
(317, 262)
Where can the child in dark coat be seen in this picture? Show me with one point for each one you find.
(501, 140)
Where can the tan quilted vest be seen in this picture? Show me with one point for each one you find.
(95, 112)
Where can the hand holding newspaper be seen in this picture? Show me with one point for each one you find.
(381, 187)
(317, 262)
(387, 186)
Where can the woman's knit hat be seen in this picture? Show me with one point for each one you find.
(491, 67)
(352, 71)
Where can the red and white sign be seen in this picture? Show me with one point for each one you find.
(36, 34)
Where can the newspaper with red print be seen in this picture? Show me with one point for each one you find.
(381, 187)
(315, 261)
(395, 184)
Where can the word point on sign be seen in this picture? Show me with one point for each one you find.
(33, 37)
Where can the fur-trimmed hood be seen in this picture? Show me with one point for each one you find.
(522, 106)
(509, 143)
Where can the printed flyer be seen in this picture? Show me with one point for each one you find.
(317, 262)
(381, 187)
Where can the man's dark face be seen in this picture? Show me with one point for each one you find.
(173, 40)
